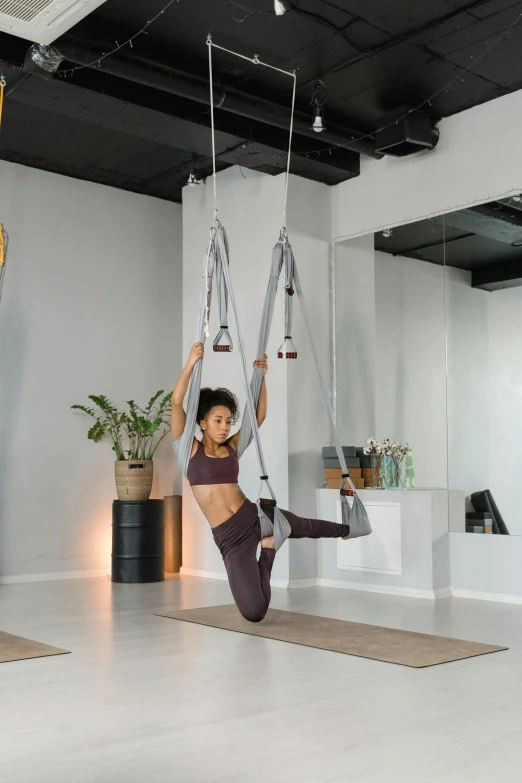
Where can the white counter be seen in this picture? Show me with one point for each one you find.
(407, 553)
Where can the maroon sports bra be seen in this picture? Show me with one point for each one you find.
(213, 470)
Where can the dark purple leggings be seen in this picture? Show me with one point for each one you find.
(238, 539)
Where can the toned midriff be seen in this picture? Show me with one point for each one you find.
(218, 502)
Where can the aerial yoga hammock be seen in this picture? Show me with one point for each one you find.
(272, 520)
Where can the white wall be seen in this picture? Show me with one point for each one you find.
(485, 392)
(308, 426)
(411, 362)
(486, 567)
(475, 161)
(91, 304)
(355, 338)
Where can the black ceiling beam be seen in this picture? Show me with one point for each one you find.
(98, 99)
(495, 276)
(327, 166)
(429, 245)
(492, 221)
(171, 80)
(191, 111)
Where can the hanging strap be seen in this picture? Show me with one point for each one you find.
(354, 515)
(280, 528)
(183, 445)
(245, 435)
(223, 341)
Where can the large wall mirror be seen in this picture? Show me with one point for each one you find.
(390, 348)
(428, 327)
(483, 254)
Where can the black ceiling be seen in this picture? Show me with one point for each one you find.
(137, 121)
(485, 240)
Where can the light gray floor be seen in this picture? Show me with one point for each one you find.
(143, 698)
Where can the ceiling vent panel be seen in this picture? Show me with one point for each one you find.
(42, 21)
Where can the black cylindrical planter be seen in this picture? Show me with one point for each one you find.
(138, 541)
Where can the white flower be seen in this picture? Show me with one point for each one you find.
(366, 451)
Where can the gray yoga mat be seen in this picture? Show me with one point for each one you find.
(16, 648)
(389, 645)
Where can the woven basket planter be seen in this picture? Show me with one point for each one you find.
(134, 479)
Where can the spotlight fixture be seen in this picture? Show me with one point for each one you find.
(318, 101)
(387, 233)
(279, 7)
(192, 181)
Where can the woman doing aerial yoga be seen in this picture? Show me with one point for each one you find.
(211, 464)
(213, 474)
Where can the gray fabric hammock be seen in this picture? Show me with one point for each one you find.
(217, 266)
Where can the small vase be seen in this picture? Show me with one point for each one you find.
(386, 472)
(375, 481)
(409, 473)
(391, 472)
(134, 479)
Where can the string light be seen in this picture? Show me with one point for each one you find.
(128, 42)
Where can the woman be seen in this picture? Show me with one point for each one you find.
(213, 473)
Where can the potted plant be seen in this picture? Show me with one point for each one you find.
(135, 435)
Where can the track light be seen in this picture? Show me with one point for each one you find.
(318, 126)
(387, 233)
(279, 7)
(192, 181)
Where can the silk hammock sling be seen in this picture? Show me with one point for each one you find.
(216, 267)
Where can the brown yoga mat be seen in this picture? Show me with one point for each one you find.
(16, 648)
(366, 641)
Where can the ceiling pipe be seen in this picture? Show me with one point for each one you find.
(176, 82)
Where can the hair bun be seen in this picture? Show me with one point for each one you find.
(212, 398)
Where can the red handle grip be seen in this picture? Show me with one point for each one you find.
(267, 502)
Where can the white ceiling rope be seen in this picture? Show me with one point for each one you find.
(214, 180)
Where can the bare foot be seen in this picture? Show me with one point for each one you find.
(268, 542)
